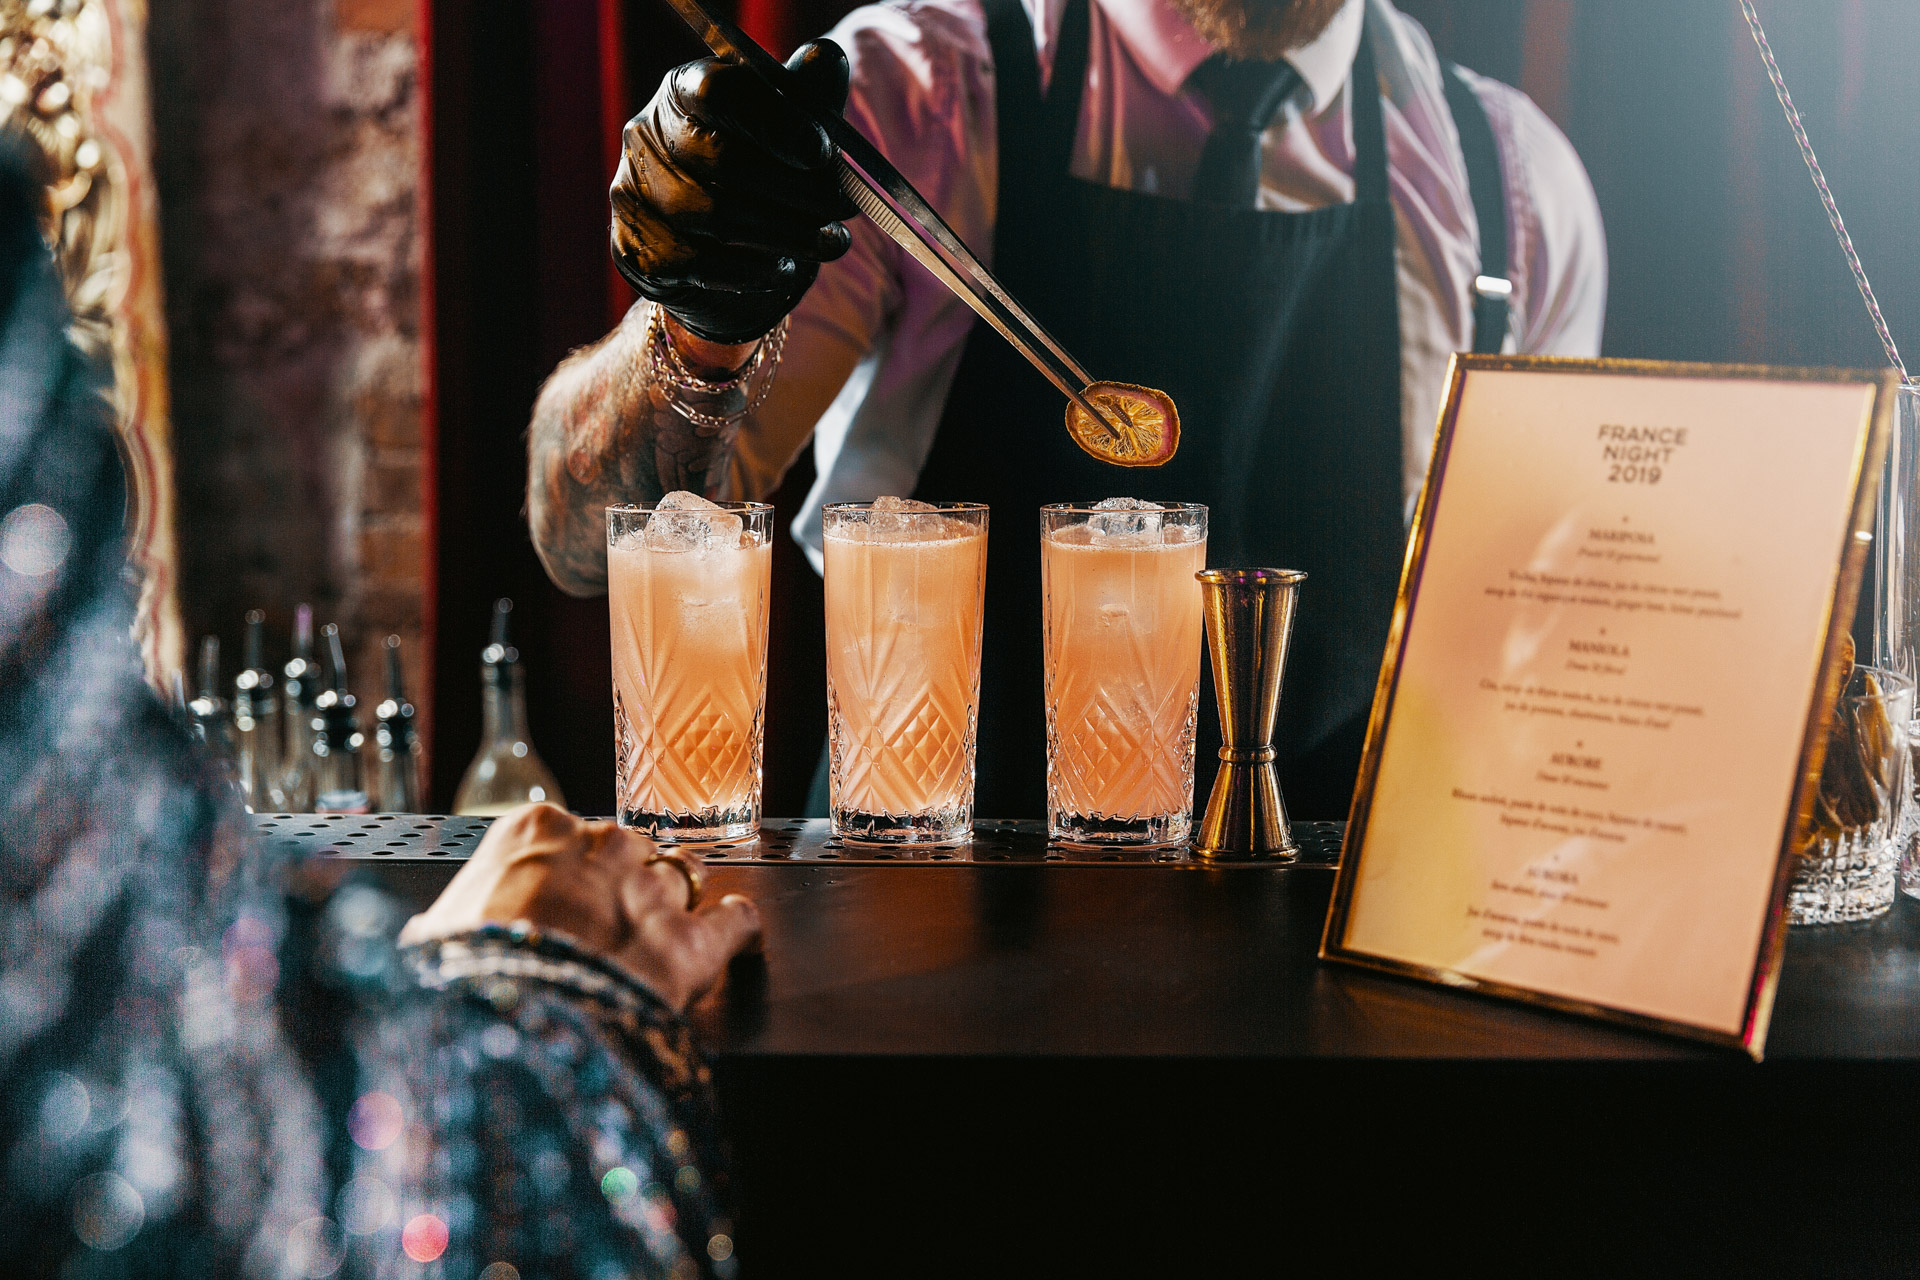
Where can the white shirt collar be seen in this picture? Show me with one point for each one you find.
(1326, 62)
(1166, 47)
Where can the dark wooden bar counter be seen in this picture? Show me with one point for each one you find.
(1010, 1062)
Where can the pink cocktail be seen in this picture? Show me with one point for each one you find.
(904, 586)
(687, 587)
(1122, 652)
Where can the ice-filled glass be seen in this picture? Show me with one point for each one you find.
(1124, 628)
(904, 590)
(1846, 869)
(687, 586)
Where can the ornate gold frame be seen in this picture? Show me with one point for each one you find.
(73, 88)
(1849, 565)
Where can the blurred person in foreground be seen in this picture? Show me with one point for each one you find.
(216, 1064)
(1279, 212)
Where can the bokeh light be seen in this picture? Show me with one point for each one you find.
(499, 1041)
(64, 1108)
(314, 1249)
(107, 1211)
(619, 1184)
(34, 540)
(424, 1238)
(375, 1120)
(367, 1205)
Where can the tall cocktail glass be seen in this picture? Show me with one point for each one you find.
(687, 586)
(1896, 582)
(904, 591)
(1123, 634)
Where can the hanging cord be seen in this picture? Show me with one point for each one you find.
(1826, 193)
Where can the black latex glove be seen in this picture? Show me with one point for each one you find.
(725, 204)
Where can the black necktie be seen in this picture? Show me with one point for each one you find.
(1245, 96)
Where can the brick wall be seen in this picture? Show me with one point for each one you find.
(287, 141)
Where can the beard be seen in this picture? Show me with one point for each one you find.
(1258, 29)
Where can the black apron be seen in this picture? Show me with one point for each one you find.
(1276, 334)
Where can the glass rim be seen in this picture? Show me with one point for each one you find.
(1892, 683)
(649, 508)
(1091, 509)
(938, 508)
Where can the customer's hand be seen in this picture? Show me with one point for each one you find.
(592, 881)
(726, 204)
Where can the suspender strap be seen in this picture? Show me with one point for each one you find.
(1493, 288)
(1016, 71)
(1060, 122)
(1370, 184)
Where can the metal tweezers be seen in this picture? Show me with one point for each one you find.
(886, 197)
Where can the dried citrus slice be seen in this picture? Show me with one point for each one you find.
(1145, 426)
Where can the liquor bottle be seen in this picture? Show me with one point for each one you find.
(299, 690)
(506, 772)
(337, 740)
(396, 757)
(257, 731)
(209, 709)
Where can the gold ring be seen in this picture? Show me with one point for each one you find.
(685, 867)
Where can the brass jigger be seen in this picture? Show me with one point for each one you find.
(1249, 621)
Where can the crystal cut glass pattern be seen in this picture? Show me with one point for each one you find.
(1847, 878)
(1847, 871)
(1122, 641)
(1124, 751)
(688, 606)
(904, 598)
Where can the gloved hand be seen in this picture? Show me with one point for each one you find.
(725, 204)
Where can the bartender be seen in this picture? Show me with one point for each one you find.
(1285, 213)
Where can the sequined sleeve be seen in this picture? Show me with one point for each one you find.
(544, 1112)
(213, 1060)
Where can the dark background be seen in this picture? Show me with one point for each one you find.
(1719, 251)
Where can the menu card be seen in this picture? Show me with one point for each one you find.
(1598, 718)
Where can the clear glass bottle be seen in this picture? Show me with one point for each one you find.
(396, 753)
(209, 710)
(259, 737)
(507, 771)
(299, 691)
(337, 740)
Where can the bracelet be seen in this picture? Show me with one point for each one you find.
(666, 370)
(493, 961)
(522, 950)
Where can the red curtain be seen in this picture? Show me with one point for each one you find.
(774, 23)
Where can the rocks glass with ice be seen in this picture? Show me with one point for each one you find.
(1122, 652)
(904, 588)
(687, 586)
(1845, 871)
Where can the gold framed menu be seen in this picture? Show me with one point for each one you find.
(1599, 725)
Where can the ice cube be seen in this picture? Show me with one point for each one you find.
(1127, 528)
(684, 521)
(673, 530)
(897, 520)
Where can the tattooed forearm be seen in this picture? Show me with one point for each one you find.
(601, 435)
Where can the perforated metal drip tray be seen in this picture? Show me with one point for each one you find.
(414, 837)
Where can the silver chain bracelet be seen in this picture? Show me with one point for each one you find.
(666, 370)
